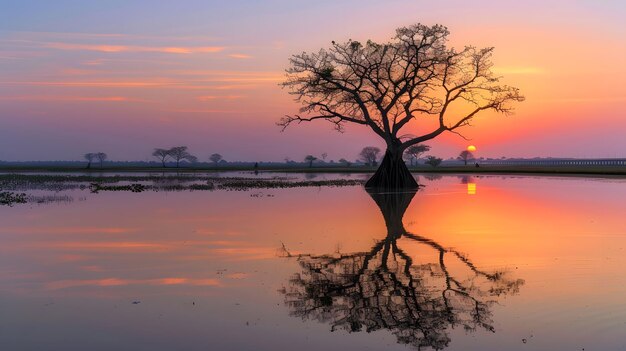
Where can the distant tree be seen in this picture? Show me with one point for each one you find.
(465, 156)
(101, 156)
(324, 155)
(161, 154)
(389, 86)
(415, 151)
(216, 158)
(369, 154)
(433, 161)
(89, 157)
(345, 162)
(179, 153)
(310, 159)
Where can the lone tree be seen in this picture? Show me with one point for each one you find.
(161, 154)
(369, 155)
(387, 86)
(215, 158)
(465, 156)
(415, 151)
(101, 156)
(310, 159)
(89, 157)
(179, 153)
(433, 161)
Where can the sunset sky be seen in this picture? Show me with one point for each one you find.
(124, 77)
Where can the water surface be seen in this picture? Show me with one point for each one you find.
(466, 263)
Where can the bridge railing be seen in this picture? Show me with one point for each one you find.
(566, 162)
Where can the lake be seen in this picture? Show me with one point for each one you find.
(466, 263)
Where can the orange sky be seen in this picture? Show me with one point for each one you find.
(127, 78)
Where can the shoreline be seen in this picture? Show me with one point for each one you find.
(483, 169)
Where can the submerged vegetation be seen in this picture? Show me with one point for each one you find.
(9, 198)
(13, 186)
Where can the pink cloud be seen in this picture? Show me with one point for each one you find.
(49, 98)
(216, 97)
(240, 56)
(131, 48)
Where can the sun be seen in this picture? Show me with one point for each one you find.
(471, 148)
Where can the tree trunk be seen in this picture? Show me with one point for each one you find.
(393, 206)
(392, 174)
(89, 165)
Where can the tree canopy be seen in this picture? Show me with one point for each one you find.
(386, 86)
(215, 158)
(369, 155)
(466, 155)
(416, 150)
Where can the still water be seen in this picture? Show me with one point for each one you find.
(466, 263)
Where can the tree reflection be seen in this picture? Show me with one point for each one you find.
(386, 288)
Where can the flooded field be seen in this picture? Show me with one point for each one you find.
(311, 262)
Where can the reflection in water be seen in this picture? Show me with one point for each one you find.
(386, 288)
(471, 185)
(471, 188)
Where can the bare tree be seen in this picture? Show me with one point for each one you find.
(387, 86)
(433, 160)
(415, 151)
(216, 158)
(161, 154)
(179, 153)
(310, 159)
(324, 155)
(369, 155)
(466, 155)
(385, 288)
(101, 156)
(89, 157)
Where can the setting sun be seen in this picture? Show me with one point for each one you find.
(471, 148)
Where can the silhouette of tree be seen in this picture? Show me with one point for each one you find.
(89, 157)
(465, 156)
(101, 156)
(386, 288)
(345, 162)
(324, 155)
(369, 155)
(161, 154)
(433, 161)
(216, 158)
(310, 159)
(387, 86)
(415, 151)
(179, 153)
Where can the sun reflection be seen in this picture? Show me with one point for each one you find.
(471, 188)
